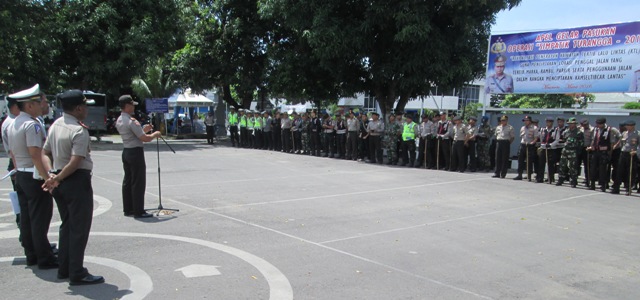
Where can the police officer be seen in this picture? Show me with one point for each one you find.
(352, 136)
(444, 133)
(363, 134)
(546, 157)
(315, 129)
(500, 82)
(389, 140)
(409, 133)
(208, 121)
(328, 136)
(529, 135)
(426, 129)
(585, 158)
(135, 170)
(505, 135)
(628, 158)
(375, 129)
(267, 131)
(483, 140)
(460, 133)
(286, 124)
(67, 146)
(340, 128)
(243, 128)
(26, 138)
(600, 150)
(14, 111)
(232, 120)
(471, 143)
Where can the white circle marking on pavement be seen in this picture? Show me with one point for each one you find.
(141, 284)
(104, 205)
(279, 286)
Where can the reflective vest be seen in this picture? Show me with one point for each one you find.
(250, 123)
(243, 121)
(408, 134)
(258, 123)
(233, 119)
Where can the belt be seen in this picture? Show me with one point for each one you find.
(31, 170)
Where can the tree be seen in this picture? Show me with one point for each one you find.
(155, 83)
(545, 100)
(226, 47)
(104, 44)
(393, 50)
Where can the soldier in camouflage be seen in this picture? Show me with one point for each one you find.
(483, 142)
(305, 129)
(389, 140)
(574, 140)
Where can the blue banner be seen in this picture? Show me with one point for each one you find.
(595, 59)
(157, 105)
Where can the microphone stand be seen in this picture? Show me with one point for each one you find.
(160, 208)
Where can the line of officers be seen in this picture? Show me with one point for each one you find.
(607, 154)
(445, 142)
(54, 165)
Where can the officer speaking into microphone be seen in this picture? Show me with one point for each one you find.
(135, 169)
(68, 148)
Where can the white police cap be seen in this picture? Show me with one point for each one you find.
(31, 94)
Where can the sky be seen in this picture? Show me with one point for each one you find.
(540, 15)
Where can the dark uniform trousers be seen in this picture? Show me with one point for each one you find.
(526, 160)
(258, 139)
(409, 152)
(458, 160)
(375, 149)
(352, 144)
(341, 142)
(445, 153)
(328, 143)
(584, 158)
(244, 137)
(286, 140)
(233, 131)
(134, 182)
(297, 141)
(546, 157)
(315, 143)
(210, 134)
(423, 160)
(493, 149)
(471, 153)
(625, 163)
(267, 140)
(599, 172)
(36, 207)
(74, 197)
(277, 138)
(615, 158)
(502, 157)
(363, 147)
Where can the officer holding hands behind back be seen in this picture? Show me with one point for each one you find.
(133, 135)
(68, 149)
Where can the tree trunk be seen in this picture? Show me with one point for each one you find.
(226, 96)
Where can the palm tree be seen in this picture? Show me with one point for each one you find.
(156, 82)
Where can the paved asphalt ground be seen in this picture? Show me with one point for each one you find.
(263, 225)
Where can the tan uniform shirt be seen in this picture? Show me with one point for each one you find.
(505, 133)
(130, 130)
(67, 137)
(25, 132)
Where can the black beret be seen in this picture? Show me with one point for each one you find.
(601, 120)
(549, 119)
(560, 118)
(74, 97)
(375, 113)
(630, 123)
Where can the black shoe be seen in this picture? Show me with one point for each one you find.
(63, 276)
(603, 189)
(89, 279)
(128, 214)
(615, 191)
(560, 182)
(495, 176)
(519, 177)
(592, 188)
(32, 261)
(143, 215)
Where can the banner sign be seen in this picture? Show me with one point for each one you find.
(157, 105)
(595, 59)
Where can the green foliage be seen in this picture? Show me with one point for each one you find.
(155, 83)
(472, 109)
(545, 100)
(631, 105)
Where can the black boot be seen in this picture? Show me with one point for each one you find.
(560, 181)
(574, 183)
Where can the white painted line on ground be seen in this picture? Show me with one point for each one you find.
(434, 281)
(457, 219)
(140, 282)
(350, 194)
(279, 286)
(104, 205)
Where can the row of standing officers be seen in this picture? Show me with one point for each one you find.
(561, 147)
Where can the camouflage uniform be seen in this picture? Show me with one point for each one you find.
(389, 141)
(306, 146)
(569, 159)
(485, 132)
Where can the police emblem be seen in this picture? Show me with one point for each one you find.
(37, 128)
